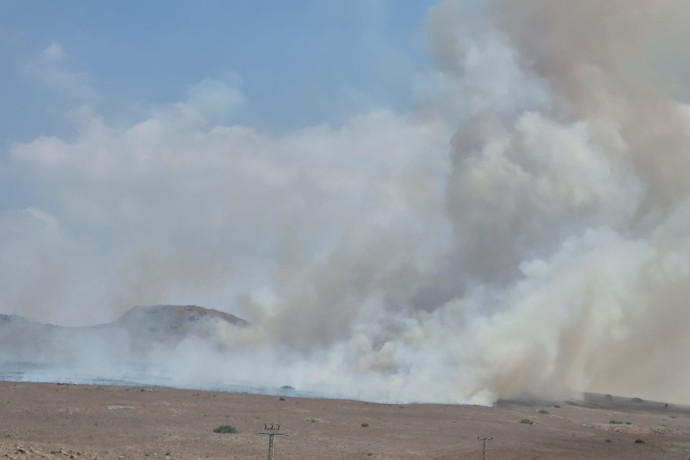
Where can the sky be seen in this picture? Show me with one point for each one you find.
(298, 64)
(302, 63)
(273, 67)
(449, 201)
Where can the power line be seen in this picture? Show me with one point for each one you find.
(271, 431)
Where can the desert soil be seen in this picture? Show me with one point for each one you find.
(50, 421)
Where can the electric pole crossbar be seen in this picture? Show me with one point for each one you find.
(271, 431)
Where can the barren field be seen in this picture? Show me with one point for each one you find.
(51, 421)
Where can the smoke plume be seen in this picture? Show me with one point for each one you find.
(525, 232)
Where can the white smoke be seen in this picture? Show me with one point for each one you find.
(526, 232)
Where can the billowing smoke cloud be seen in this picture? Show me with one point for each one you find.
(526, 232)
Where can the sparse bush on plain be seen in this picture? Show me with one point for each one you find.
(527, 421)
(543, 411)
(637, 400)
(225, 429)
(365, 425)
(640, 441)
(615, 422)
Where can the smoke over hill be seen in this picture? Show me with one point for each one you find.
(526, 231)
(139, 336)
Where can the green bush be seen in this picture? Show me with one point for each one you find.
(637, 400)
(615, 422)
(527, 421)
(640, 441)
(225, 429)
(543, 411)
(365, 425)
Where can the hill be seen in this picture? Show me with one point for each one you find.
(130, 338)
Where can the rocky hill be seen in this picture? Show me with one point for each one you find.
(129, 338)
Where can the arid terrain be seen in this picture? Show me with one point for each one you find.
(51, 421)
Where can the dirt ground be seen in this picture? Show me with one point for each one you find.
(50, 421)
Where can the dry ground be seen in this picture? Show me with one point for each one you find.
(52, 421)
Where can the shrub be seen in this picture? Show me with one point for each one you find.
(543, 411)
(615, 422)
(637, 400)
(640, 441)
(225, 429)
(527, 421)
(365, 425)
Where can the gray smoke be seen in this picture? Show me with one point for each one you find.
(526, 232)
(568, 203)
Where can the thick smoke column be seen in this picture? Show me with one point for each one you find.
(567, 266)
(569, 200)
(527, 232)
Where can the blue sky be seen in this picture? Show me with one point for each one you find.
(300, 63)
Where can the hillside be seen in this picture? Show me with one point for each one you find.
(129, 338)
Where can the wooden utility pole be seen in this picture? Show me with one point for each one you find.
(484, 440)
(271, 431)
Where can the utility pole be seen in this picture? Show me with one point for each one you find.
(271, 431)
(484, 441)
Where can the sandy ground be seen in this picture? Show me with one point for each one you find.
(52, 421)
